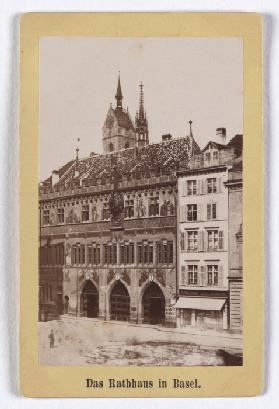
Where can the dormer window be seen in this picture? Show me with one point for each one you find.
(207, 156)
(215, 155)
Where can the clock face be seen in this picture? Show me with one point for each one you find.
(110, 122)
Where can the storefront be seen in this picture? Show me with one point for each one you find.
(202, 313)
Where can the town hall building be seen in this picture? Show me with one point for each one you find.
(108, 226)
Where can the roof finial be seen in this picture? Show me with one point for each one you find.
(77, 150)
(190, 123)
(118, 95)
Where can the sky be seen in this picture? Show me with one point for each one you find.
(198, 79)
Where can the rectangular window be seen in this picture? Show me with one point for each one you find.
(191, 187)
(94, 254)
(212, 275)
(85, 213)
(140, 254)
(154, 206)
(145, 252)
(81, 253)
(129, 209)
(192, 212)
(212, 240)
(127, 253)
(211, 211)
(59, 254)
(110, 253)
(106, 211)
(215, 155)
(60, 214)
(97, 254)
(74, 255)
(192, 240)
(165, 252)
(211, 185)
(159, 252)
(192, 274)
(90, 254)
(46, 219)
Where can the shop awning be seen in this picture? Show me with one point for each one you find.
(201, 303)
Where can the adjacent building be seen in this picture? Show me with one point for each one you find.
(210, 213)
(234, 186)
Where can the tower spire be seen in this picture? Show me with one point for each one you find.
(141, 102)
(118, 95)
(191, 141)
(141, 121)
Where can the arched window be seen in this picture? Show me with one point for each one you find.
(111, 147)
(126, 145)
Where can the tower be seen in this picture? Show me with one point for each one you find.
(141, 122)
(118, 130)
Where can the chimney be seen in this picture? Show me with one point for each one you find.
(221, 136)
(54, 177)
(166, 137)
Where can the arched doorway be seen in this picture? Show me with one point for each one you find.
(153, 302)
(119, 303)
(89, 300)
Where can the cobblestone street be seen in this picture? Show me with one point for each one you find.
(93, 342)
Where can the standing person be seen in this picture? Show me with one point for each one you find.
(51, 339)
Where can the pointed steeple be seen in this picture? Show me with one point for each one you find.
(191, 141)
(141, 121)
(118, 95)
(141, 102)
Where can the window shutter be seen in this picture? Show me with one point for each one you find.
(216, 215)
(220, 185)
(185, 188)
(198, 187)
(200, 212)
(182, 240)
(201, 240)
(182, 213)
(208, 211)
(202, 186)
(220, 276)
(221, 240)
(202, 276)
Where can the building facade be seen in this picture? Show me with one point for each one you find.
(108, 226)
(234, 186)
(207, 210)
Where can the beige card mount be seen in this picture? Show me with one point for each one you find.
(141, 205)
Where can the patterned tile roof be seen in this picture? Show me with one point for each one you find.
(123, 119)
(161, 157)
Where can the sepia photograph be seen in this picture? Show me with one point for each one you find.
(140, 201)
